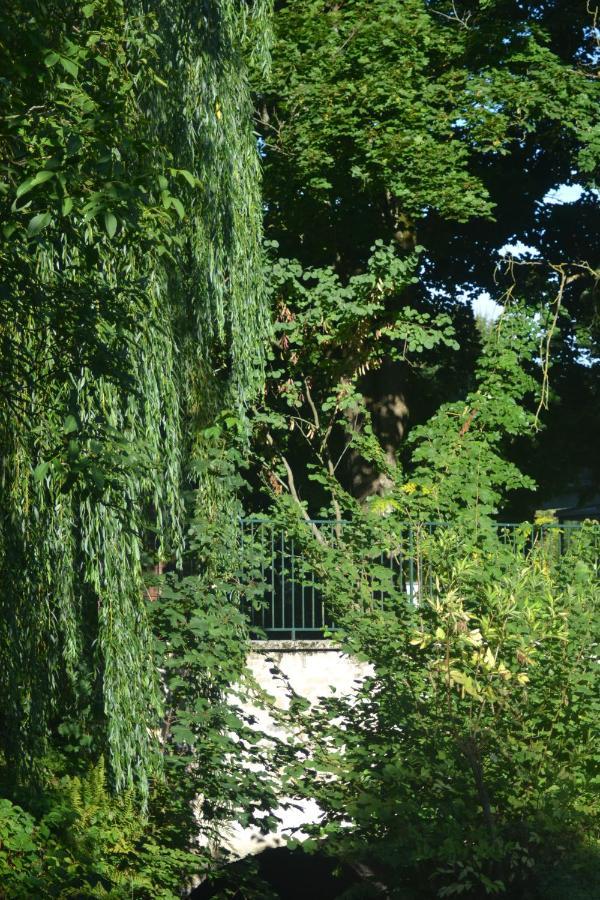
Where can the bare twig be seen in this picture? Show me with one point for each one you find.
(354, 31)
(311, 403)
(463, 21)
(593, 12)
(567, 273)
(564, 280)
(291, 486)
(327, 454)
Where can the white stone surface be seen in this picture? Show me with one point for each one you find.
(313, 669)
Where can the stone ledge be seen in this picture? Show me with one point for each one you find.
(287, 646)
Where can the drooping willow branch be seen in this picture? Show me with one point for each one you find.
(112, 394)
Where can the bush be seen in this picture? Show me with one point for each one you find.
(83, 842)
(467, 763)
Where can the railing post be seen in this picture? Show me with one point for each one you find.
(282, 577)
(293, 573)
(411, 561)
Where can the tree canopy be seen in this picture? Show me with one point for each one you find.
(441, 129)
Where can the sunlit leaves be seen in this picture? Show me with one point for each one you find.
(110, 223)
(109, 245)
(32, 182)
(37, 223)
(478, 717)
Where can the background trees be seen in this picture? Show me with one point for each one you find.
(411, 152)
(439, 129)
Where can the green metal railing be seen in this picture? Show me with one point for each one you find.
(292, 605)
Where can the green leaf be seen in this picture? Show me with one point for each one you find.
(67, 206)
(110, 223)
(97, 477)
(32, 182)
(51, 59)
(188, 177)
(88, 10)
(39, 473)
(38, 223)
(178, 206)
(69, 66)
(183, 735)
(70, 424)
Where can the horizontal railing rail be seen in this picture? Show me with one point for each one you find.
(292, 606)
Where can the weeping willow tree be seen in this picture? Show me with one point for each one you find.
(131, 312)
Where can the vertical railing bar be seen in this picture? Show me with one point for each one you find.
(401, 560)
(272, 604)
(312, 599)
(265, 566)
(302, 604)
(293, 560)
(263, 612)
(282, 579)
(332, 543)
(242, 530)
(411, 566)
(420, 576)
(391, 561)
(254, 618)
(561, 543)
(430, 526)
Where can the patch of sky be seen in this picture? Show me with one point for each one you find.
(569, 193)
(482, 304)
(519, 250)
(521, 33)
(485, 308)
(564, 193)
(589, 54)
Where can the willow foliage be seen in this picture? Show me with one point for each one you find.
(130, 306)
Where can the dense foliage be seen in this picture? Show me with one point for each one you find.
(442, 130)
(67, 834)
(466, 764)
(410, 152)
(132, 311)
(122, 321)
(405, 146)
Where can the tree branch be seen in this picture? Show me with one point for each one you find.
(291, 485)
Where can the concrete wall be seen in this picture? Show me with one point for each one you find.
(311, 668)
